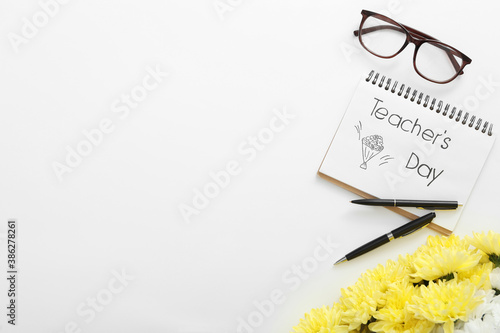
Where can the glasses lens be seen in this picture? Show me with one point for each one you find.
(382, 38)
(437, 61)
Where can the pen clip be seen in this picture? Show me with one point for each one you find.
(440, 207)
(435, 208)
(410, 232)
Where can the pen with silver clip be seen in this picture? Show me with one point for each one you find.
(423, 204)
(402, 231)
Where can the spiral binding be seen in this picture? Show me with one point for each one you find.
(412, 95)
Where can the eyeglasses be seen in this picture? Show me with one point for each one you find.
(433, 60)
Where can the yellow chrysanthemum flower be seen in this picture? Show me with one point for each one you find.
(400, 321)
(478, 275)
(446, 241)
(407, 262)
(395, 316)
(445, 302)
(489, 244)
(323, 320)
(442, 256)
(392, 272)
(359, 301)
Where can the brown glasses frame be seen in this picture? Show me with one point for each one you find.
(412, 36)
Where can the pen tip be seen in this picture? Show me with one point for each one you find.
(344, 259)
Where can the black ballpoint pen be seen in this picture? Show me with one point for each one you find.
(425, 204)
(404, 230)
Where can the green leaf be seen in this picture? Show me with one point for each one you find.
(495, 259)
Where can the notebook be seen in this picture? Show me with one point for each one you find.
(395, 142)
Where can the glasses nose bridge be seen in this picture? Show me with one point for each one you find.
(415, 39)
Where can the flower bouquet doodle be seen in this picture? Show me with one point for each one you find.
(448, 285)
(370, 147)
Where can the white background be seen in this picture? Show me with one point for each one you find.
(118, 210)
